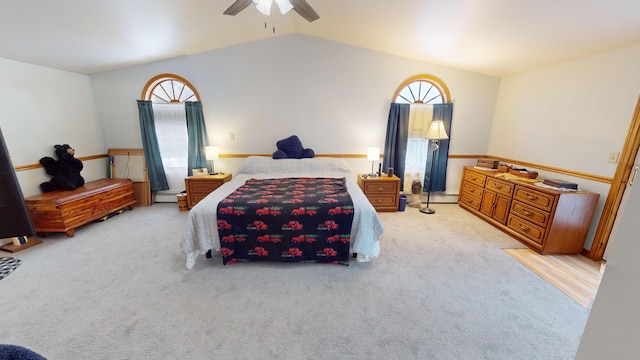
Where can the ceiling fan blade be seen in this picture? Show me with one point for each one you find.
(237, 6)
(305, 10)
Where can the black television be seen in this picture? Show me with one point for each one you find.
(14, 216)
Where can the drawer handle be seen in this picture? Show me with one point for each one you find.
(379, 200)
(531, 197)
(528, 213)
(472, 190)
(498, 186)
(380, 188)
(525, 228)
(474, 178)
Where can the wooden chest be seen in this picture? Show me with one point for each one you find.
(65, 210)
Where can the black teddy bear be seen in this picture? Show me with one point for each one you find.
(65, 170)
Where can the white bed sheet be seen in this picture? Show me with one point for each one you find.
(201, 231)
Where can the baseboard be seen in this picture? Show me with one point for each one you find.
(434, 198)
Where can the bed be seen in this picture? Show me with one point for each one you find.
(202, 231)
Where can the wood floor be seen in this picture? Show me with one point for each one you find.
(575, 275)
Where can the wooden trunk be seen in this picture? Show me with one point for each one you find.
(65, 210)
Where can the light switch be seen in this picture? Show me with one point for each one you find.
(613, 157)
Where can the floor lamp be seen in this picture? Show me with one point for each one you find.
(212, 153)
(435, 134)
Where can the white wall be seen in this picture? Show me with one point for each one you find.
(569, 116)
(613, 325)
(335, 97)
(41, 107)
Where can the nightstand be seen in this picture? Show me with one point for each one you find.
(383, 191)
(200, 186)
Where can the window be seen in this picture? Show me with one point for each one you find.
(421, 92)
(422, 89)
(169, 88)
(169, 93)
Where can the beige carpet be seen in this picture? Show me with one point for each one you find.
(575, 275)
(442, 288)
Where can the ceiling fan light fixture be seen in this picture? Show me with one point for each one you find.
(264, 6)
(284, 5)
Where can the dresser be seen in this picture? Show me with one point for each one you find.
(200, 186)
(547, 220)
(383, 191)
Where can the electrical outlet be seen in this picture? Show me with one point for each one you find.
(613, 157)
(232, 136)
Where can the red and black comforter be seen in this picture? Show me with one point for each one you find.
(287, 220)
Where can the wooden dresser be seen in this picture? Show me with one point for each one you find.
(200, 186)
(65, 210)
(547, 220)
(383, 191)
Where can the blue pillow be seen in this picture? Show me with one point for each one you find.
(291, 148)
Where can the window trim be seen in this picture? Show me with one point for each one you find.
(147, 91)
(436, 82)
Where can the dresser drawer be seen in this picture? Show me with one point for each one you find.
(383, 201)
(471, 189)
(530, 213)
(526, 228)
(475, 178)
(386, 187)
(532, 197)
(204, 187)
(470, 200)
(196, 197)
(500, 187)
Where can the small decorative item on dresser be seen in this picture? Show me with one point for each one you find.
(527, 174)
(504, 168)
(561, 184)
(488, 163)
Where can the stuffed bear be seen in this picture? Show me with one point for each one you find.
(291, 148)
(65, 171)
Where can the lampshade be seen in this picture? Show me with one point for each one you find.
(264, 6)
(211, 152)
(373, 153)
(436, 131)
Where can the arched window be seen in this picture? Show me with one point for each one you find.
(421, 92)
(422, 89)
(169, 93)
(169, 88)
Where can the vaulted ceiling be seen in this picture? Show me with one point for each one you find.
(493, 37)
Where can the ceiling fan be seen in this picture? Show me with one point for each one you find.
(264, 6)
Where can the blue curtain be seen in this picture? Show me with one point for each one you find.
(442, 112)
(155, 170)
(197, 134)
(395, 144)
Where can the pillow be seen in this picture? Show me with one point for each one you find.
(291, 148)
(322, 166)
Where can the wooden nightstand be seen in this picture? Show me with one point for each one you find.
(200, 186)
(383, 191)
